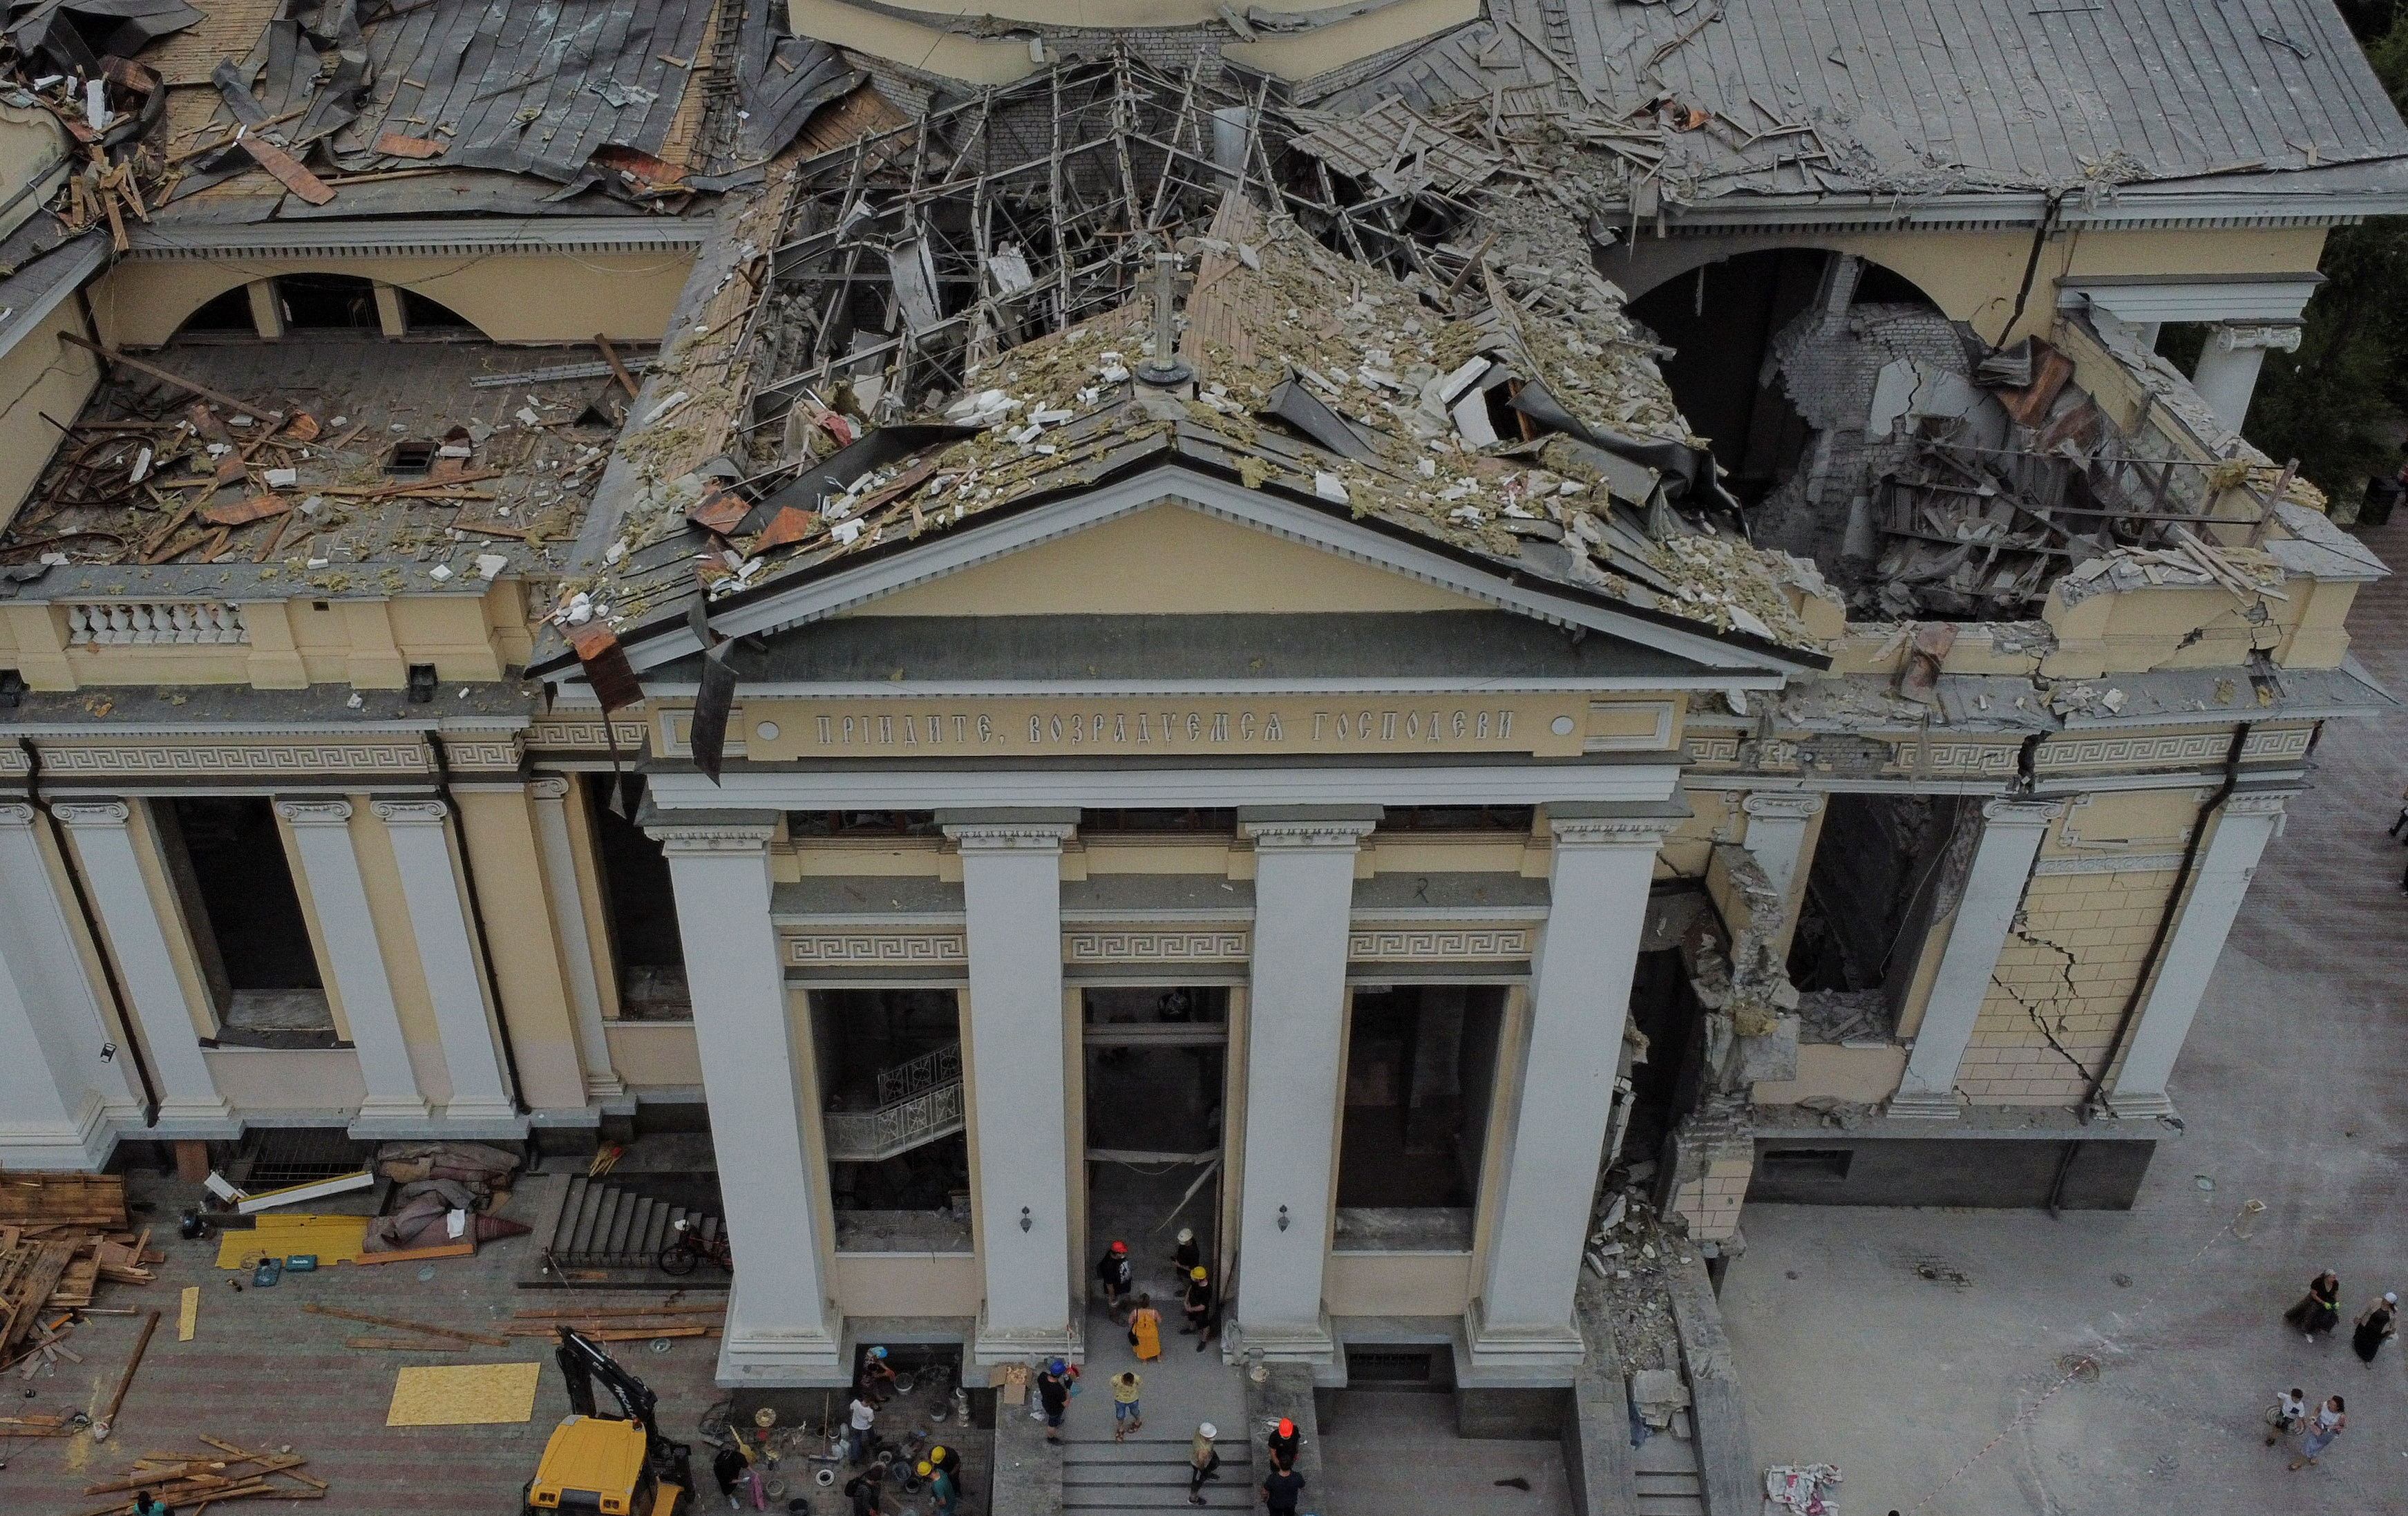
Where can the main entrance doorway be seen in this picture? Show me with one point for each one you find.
(1156, 1092)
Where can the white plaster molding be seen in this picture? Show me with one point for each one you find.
(2123, 863)
(809, 950)
(232, 759)
(333, 812)
(1347, 835)
(14, 813)
(409, 812)
(1415, 945)
(1154, 945)
(2022, 812)
(549, 787)
(1008, 836)
(1783, 805)
(2257, 802)
(91, 813)
(1612, 832)
(735, 838)
(484, 755)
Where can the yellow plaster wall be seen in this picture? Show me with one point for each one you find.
(298, 1079)
(1167, 560)
(816, 857)
(1397, 1283)
(652, 1054)
(1864, 1075)
(502, 843)
(41, 374)
(510, 297)
(370, 644)
(381, 876)
(909, 1284)
(1973, 276)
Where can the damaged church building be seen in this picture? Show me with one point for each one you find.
(1340, 629)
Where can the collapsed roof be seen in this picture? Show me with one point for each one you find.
(958, 319)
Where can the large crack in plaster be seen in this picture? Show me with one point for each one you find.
(2023, 932)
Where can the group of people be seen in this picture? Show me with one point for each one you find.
(1117, 1274)
(2319, 1310)
(940, 1470)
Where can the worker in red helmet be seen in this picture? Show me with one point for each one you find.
(1283, 1446)
(1113, 1272)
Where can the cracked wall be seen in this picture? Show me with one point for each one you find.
(2075, 949)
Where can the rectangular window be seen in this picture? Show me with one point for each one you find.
(646, 952)
(225, 855)
(1421, 1072)
(1806, 1163)
(1192, 819)
(841, 823)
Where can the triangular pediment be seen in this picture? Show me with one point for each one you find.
(1171, 560)
(1118, 583)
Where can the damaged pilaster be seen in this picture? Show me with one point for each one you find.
(1708, 1161)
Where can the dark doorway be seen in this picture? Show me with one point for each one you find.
(1421, 1075)
(1156, 1080)
(1886, 867)
(646, 951)
(890, 1071)
(422, 316)
(327, 303)
(226, 857)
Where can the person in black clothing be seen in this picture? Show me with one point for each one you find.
(728, 1467)
(1113, 1269)
(1283, 1446)
(1199, 1303)
(1281, 1491)
(1189, 1254)
(1054, 1394)
(866, 1487)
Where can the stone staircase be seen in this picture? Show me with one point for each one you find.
(1150, 1473)
(1666, 1472)
(918, 1102)
(603, 1227)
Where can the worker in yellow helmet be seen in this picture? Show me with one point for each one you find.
(1199, 1307)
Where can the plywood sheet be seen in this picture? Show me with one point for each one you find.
(464, 1395)
(336, 1239)
(188, 1316)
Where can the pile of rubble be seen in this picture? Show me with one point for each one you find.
(62, 1235)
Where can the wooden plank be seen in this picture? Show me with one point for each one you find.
(288, 170)
(411, 1255)
(258, 508)
(404, 1345)
(395, 145)
(397, 1324)
(177, 379)
(104, 1422)
(718, 1309)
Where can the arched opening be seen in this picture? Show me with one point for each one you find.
(1766, 351)
(327, 303)
(422, 315)
(228, 315)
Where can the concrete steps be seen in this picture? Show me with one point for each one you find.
(1150, 1473)
(602, 1227)
(1667, 1476)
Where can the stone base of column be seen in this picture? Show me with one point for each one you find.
(486, 1119)
(606, 1089)
(82, 1146)
(1505, 1352)
(2140, 1105)
(393, 1118)
(992, 1344)
(207, 1116)
(765, 1355)
(1284, 1342)
(1923, 1106)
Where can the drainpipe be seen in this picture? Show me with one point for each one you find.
(91, 928)
(477, 915)
(2091, 1098)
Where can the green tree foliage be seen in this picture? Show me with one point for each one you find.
(2338, 403)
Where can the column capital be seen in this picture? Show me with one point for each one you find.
(1783, 805)
(330, 810)
(548, 786)
(713, 831)
(1302, 834)
(16, 813)
(2019, 812)
(1614, 825)
(2257, 802)
(427, 812)
(103, 813)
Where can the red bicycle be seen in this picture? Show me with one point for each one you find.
(688, 1249)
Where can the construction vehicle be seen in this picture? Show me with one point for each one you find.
(615, 1465)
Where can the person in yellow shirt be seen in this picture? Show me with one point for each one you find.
(1129, 1414)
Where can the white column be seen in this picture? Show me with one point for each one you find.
(188, 1102)
(2242, 829)
(2227, 375)
(550, 792)
(1012, 884)
(1520, 1317)
(61, 1104)
(1296, 999)
(1777, 824)
(779, 1320)
(1994, 890)
(447, 954)
(330, 866)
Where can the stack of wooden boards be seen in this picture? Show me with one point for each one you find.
(61, 1236)
(204, 1479)
(603, 1324)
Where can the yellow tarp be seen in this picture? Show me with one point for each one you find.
(463, 1395)
(336, 1239)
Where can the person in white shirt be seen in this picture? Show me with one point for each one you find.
(2283, 1416)
(864, 1414)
